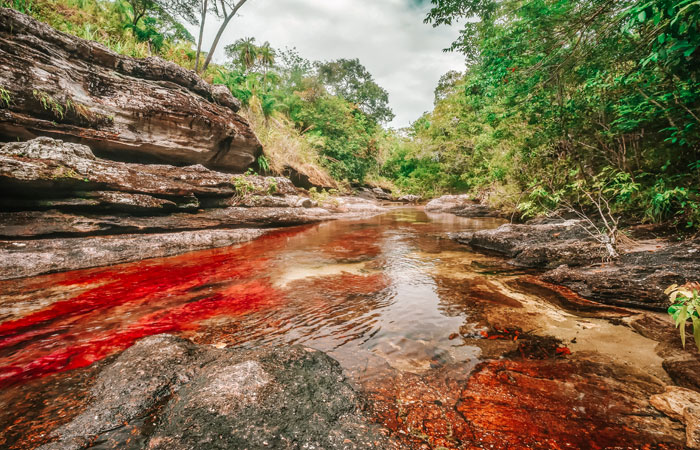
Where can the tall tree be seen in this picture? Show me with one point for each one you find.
(226, 10)
(349, 79)
(203, 15)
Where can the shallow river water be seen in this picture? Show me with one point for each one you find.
(410, 315)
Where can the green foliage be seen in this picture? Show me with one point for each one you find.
(349, 79)
(263, 163)
(49, 103)
(561, 96)
(5, 97)
(685, 305)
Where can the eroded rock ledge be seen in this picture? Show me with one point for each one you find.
(637, 278)
(165, 392)
(132, 109)
(67, 209)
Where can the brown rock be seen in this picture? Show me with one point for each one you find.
(34, 257)
(139, 109)
(683, 405)
(460, 205)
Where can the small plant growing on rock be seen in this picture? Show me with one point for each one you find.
(685, 304)
(242, 186)
(48, 103)
(5, 98)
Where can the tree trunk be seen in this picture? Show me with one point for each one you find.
(201, 32)
(220, 32)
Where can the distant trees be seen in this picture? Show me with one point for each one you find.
(349, 79)
(152, 19)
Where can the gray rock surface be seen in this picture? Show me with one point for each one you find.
(204, 397)
(637, 278)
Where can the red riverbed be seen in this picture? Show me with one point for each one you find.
(416, 321)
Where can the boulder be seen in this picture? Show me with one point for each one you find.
(460, 205)
(207, 397)
(146, 109)
(410, 198)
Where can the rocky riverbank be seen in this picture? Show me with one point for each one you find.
(68, 209)
(570, 256)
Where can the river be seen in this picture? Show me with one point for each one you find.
(408, 313)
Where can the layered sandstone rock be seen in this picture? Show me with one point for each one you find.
(131, 109)
(67, 209)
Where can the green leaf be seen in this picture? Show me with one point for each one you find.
(696, 331)
(642, 16)
(662, 38)
(683, 316)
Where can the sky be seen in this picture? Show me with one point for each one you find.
(388, 36)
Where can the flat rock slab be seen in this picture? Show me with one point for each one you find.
(197, 397)
(29, 258)
(537, 245)
(637, 278)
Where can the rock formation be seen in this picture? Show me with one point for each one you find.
(68, 209)
(129, 109)
(460, 205)
(205, 397)
(637, 278)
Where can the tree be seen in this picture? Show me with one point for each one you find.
(244, 52)
(349, 79)
(203, 18)
(226, 10)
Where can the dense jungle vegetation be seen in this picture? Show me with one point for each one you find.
(560, 101)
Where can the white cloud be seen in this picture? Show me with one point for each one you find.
(388, 36)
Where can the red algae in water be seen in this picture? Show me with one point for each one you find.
(132, 301)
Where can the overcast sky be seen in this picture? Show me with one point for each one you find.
(388, 36)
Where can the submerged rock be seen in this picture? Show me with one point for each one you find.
(460, 205)
(203, 397)
(132, 109)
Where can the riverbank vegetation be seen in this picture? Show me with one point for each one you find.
(557, 100)
(560, 98)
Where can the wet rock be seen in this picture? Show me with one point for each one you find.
(205, 397)
(28, 224)
(133, 109)
(460, 205)
(681, 364)
(537, 245)
(545, 404)
(34, 257)
(638, 278)
(409, 198)
(683, 405)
